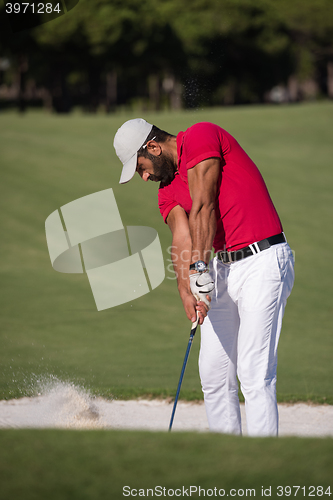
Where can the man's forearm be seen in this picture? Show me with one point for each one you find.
(181, 257)
(202, 224)
(203, 181)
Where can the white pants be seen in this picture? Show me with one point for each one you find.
(239, 337)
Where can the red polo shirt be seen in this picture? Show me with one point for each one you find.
(244, 210)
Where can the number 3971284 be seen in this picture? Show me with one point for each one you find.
(34, 8)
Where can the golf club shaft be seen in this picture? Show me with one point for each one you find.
(189, 345)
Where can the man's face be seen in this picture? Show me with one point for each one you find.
(160, 168)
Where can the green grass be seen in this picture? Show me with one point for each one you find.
(49, 322)
(84, 465)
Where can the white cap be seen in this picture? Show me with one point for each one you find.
(128, 140)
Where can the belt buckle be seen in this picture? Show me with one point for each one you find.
(226, 257)
(229, 261)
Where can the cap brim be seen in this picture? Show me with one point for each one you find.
(129, 169)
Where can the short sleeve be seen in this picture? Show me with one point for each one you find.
(165, 202)
(202, 141)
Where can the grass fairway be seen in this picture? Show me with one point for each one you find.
(49, 322)
(85, 465)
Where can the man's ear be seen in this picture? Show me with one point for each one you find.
(154, 148)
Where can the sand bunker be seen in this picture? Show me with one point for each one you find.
(64, 405)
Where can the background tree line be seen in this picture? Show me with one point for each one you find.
(158, 54)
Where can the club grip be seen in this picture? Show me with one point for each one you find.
(195, 323)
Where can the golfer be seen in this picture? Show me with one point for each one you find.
(211, 194)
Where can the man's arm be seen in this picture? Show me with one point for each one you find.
(202, 181)
(181, 255)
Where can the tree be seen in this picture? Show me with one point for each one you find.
(309, 27)
(112, 52)
(114, 40)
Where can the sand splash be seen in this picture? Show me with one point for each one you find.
(58, 404)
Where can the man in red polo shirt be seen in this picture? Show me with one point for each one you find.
(212, 194)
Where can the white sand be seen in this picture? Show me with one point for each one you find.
(66, 406)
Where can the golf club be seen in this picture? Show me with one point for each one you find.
(189, 345)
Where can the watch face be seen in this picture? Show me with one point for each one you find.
(201, 266)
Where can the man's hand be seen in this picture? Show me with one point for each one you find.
(202, 286)
(192, 305)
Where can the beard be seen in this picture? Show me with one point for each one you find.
(164, 168)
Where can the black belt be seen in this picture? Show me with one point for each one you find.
(254, 248)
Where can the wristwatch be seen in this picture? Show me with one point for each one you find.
(199, 266)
